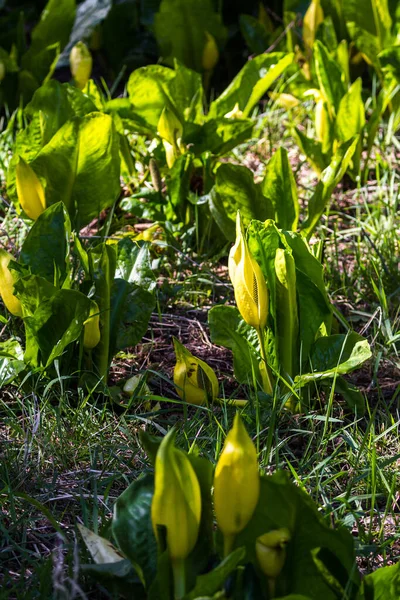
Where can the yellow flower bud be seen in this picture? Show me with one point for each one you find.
(271, 551)
(29, 190)
(91, 333)
(236, 483)
(170, 130)
(195, 381)
(210, 52)
(176, 502)
(235, 113)
(7, 279)
(81, 62)
(251, 293)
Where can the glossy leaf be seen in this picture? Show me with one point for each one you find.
(287, 318)
(228, 329)
(47, 245)
(81, 166)
(133, 529)
(211, 582)
(235, 190)
(329, 77)
(250, 84)
(279, 186)
(180, 27)
(336, 355)
(329, 179)
(351, 114)
(131, 308)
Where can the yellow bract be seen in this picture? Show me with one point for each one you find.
(210, 52)
(81, 63)
(251, 293)
(271, 551)
(195, 381)
(29, 190)
(7, 279)
(176, 502)
(236, 481)
(91, 334)
(170, 131)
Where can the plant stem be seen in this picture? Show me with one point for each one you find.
(228, 544)
(267, 381)
(178, 570)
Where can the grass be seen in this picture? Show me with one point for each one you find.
(65, 456)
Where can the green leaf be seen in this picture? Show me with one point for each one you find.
(382, 584)
(336, 355)
(57, 103)
(56, 317)
(218, 136)
(81, 167)
(178, 182)
(11, 361)
(102, 264)
(389, 60)
(235, 190)
(366, 43)
(279, 186)
(149, 92)
(313, 151)
(351, 114)
(131, 308)
(351, 394)
(180, 27)
(250, 84)
(329, 77)
(283, 504)
(228, 329)
(118, 577)
(255, 34)
(287, 319)
(134, 264)
(329, 180)
(47, 245)
(132, 527)
(211, 582)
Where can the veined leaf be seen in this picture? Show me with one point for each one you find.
(250, 84)
(279, 186)
(351, 114)
(329, 77)
(286, 320)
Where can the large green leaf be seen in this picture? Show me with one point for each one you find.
(251, 83)
(180, 28)
(217, 135)
(279, 186)
(119, 578)
(56, 103)
(102, 265)
(54, 27)
(134, 264)
(382, 584)
(235, 190)
(336, 355)
(350, 117)
(329, 77)
(313, 151)
(47, 245)
(228, 329)
(56, 321)
(131, 308)
(11, 361)
(81, 167)
(287, 318)
(213, 581)
(282, 504)
(329, 180)
(132, 527)
(178, 182)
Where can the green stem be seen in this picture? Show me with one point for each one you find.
(178, 570)
(267, 382)
(228, 544)
(271, 587)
